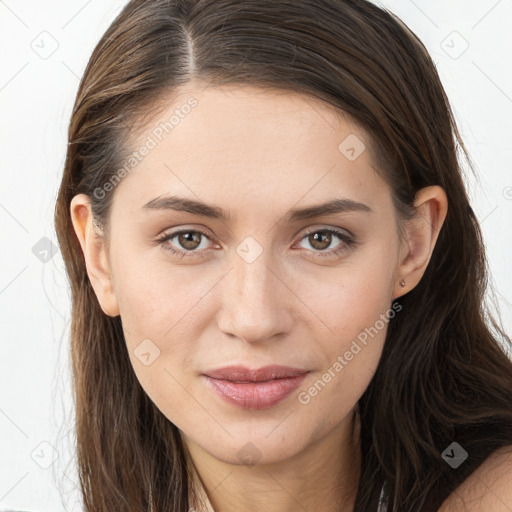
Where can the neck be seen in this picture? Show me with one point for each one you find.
(324, 476)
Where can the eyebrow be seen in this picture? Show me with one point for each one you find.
(295, 214)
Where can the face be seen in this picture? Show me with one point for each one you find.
(263, 284)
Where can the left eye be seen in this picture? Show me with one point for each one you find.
(323, 238)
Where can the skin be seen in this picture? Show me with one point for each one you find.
(257, 154)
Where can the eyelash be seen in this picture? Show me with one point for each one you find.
(347, 240)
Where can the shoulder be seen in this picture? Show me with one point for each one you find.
(488, 488)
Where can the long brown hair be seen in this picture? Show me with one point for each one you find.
(443, 375)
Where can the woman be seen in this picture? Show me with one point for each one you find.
(277, 277)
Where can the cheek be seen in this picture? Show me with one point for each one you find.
(353, 307)
(160, 352)
(163, 310)
(155, 295)
(350, 358)
(350, 298)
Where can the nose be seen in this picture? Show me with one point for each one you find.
(256, 301)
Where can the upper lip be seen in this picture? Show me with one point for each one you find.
(241, 373)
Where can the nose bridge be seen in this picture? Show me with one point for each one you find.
(253, 280)
(254, 305)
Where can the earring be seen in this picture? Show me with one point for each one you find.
(402, 283)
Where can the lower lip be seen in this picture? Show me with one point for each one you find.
(255, 395)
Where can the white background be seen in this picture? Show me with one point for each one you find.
(36, 97)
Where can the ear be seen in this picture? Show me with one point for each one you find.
(92, 242)
(422, 232)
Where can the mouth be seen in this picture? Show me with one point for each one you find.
(266, 373)
(262, 388)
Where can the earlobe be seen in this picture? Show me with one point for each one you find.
(422, 233)
(92, 243)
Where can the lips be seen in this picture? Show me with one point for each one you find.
(254, 389)
(243, 374)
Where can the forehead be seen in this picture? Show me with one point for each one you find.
(250, 146)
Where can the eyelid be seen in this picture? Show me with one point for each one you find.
(334, 229)
(186, 229)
